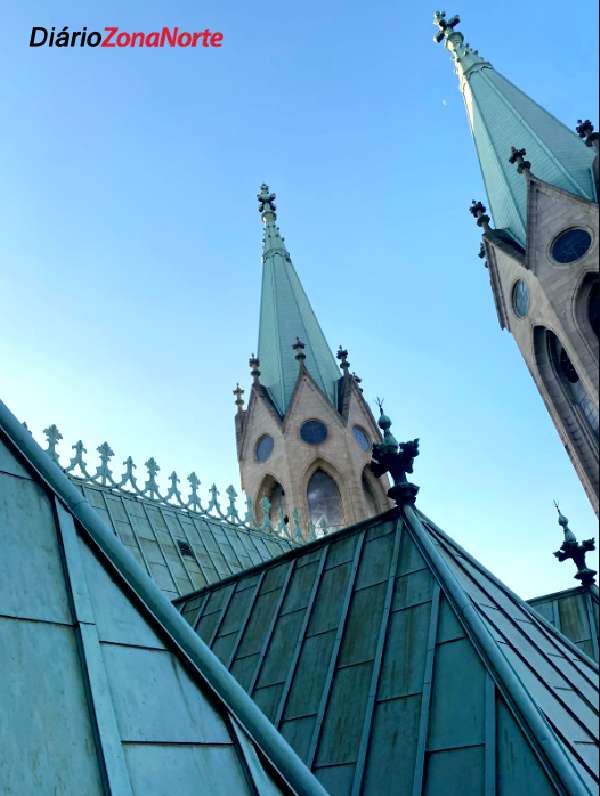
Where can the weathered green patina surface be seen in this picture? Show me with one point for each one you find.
(394, 663)
(286, 314)
(104, 689)
(501, 116)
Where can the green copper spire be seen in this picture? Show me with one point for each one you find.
(285, 316)
(501, 116)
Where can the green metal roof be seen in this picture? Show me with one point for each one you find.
(182, 544)
(286, 314)
(394, 663)
(502, 116)
(105, 689)
(575, 613)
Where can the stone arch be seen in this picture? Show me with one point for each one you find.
(375, 498)
(314, 509)
(568, 400)
(586, 310)
(273, 489)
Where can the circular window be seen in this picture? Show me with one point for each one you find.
(264, 448)
(570, 245)
(362, 439)
(520, 299)
(314, 432)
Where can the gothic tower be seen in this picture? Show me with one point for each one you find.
(541, 181)
(304, 440)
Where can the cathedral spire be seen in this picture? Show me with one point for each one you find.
(285, 315)
(501, 117)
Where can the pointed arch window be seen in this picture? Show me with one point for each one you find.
(324, 501)
(570, 382)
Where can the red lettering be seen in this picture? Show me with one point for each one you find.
(195, 39)
(106, 40)
(205, 35)
(170, 36)
(216, 39)
(138, 37)
(184, 39)
(123, 39)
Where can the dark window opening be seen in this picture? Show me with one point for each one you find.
(185, 549)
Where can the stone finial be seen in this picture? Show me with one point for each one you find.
(266, 204)
(518, 156)
(239, 401)
(397, 460)
(571, 549)
(585, 130)
(299, 349)
(342, 355)
(446, 26)
(479, 213)
(254, 363)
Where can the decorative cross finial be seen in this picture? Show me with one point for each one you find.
(266, 204)
(299, 349)
(585, 130)
(518, 156)
(254, 369)
(446, 26)
(571, 549)
(53, 436)
(239, 401)
(396, 459)
(342, 355)
(478, 211)
(151, 487)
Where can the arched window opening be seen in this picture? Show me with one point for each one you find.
(587, 310)
(273, 490)
(571, 383)
(324, 501)
(277, 503)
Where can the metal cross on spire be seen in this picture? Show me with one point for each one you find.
(446, 26)
(571, 549)
(266, 203)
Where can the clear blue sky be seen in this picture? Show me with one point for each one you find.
(130, 243)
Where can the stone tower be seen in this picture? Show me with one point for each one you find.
(304, 440)
(541, 181)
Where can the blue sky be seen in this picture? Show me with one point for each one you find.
(130, 245)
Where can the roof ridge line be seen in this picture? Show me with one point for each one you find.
(187, 642)
(507, 679)
(513, 595)
(298, 549)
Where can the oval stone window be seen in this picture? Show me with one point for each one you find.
(520, 299)
(360, 436)
(570, 245)
(264, 448)
(313, 432)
